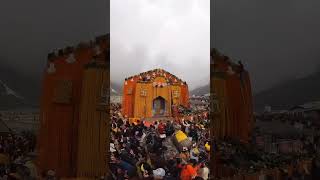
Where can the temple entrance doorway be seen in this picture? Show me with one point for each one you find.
(159, 107)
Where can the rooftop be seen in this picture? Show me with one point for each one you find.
(150, 75)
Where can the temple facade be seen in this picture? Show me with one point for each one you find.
(231, 99)
(74, 111)
(156, 93)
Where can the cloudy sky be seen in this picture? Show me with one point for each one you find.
(31, 29)
(276, 40)
(169, 34)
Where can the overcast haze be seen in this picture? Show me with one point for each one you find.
(276, 40)
(31, 29)
(169, 34)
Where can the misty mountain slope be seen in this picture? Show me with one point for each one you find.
(201, 90)
(290, 93)
(7, 91)
(28, 87)
(9, 99)
(115, 89)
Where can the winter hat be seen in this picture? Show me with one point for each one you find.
(159, 173)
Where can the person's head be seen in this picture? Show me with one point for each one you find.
(178, 160)
(185, 149)
(202, 165)
(51, 174)
(159, 173)
(119, 171)
(193, 162)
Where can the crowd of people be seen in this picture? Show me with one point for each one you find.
(240, 158)
(165, 149)
(17, 156)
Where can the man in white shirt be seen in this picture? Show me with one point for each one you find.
(204, 172)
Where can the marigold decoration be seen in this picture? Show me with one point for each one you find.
(231, 101)
(74, 101)
(145, 97)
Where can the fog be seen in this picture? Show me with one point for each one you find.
(173, 35)
(276, 40)
(31, 29)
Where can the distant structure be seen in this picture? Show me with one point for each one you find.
(267, 109)
(232, 107)
(74, 111)
(155, 93)
(21, 120)
(116, 99)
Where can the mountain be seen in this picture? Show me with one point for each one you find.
(290, 93)
(9, 99)
(115, 89)
(7, 91)
(201, 90)
(18, 90)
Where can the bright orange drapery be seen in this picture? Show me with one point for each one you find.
(59, 122)
(93, 129)
(232, 86)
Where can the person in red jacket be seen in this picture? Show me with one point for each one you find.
(189, 171)
(162, 129)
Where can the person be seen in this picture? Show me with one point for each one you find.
(193, 133)
(144, 169)
(4, 158)
(51, 175)
(204, 172)
(138, 151)
(194, 153)
(307, 175)
(13, 173)
(30, 164)
(169, 129)
(161, 129)
(207, 147)
(159, 173)
(186, 126)
(128, 169)
(189, 171)
(184, 155)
